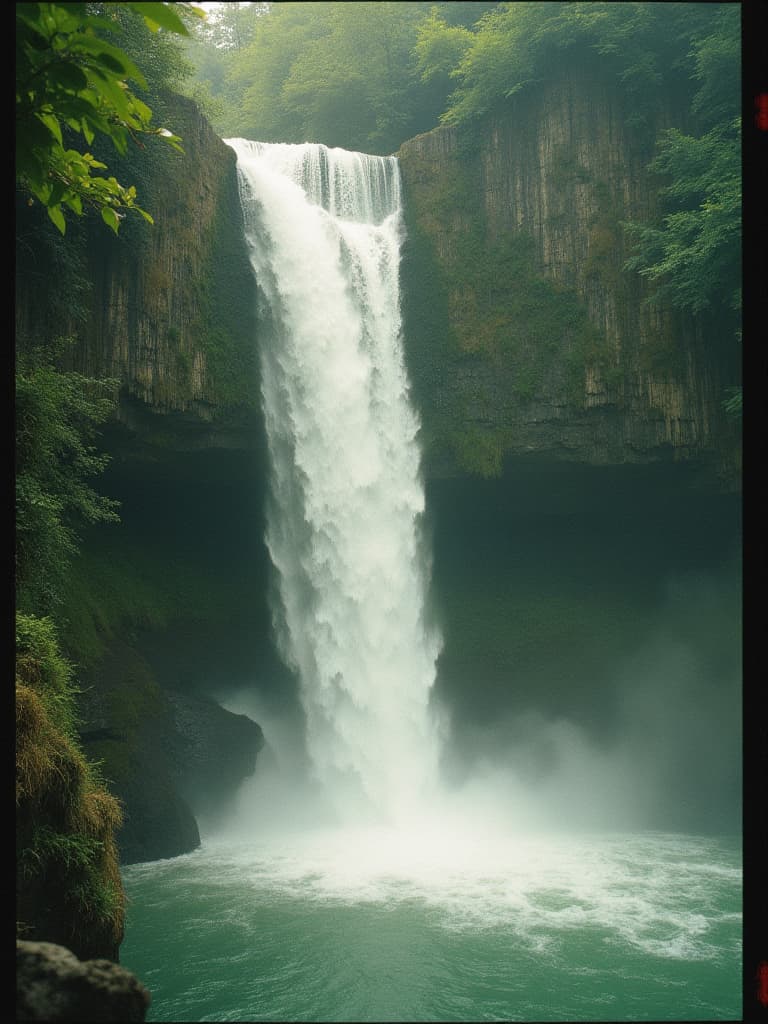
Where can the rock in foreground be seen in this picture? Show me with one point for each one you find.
(53, 985)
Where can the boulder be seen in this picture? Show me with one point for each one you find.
(53, 985)
(211, 751)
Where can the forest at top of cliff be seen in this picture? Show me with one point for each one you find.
(371, 76)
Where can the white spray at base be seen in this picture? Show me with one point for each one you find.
(323, 228)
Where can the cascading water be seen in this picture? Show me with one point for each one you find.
(323, 228)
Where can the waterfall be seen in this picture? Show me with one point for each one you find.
(323, 227)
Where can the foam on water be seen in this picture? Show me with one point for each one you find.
(662, 894)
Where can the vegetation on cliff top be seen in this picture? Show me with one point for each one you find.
(371, 77)
(342, 74)
(692, 254)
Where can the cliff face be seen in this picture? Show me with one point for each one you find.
(525, 334)
(167, 309)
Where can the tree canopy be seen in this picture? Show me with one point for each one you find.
(343, 74)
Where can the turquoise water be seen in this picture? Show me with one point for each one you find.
(373, 925)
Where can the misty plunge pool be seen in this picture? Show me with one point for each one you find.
(374, 925)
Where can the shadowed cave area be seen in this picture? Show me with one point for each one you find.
(590, 620)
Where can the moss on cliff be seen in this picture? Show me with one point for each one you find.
(478, 306)
(525, 332)
(68, 882)
(226, 328)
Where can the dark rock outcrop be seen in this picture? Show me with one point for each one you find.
(53, 985)
(211, 750)
(167, 756)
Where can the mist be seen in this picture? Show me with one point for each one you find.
(620, 711)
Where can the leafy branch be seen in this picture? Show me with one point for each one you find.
(72, 82)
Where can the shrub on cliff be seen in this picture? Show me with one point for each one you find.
(68, 881)
(57, 416)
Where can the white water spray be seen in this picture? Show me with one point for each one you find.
(323, 228)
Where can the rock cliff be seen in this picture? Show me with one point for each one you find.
(169, 755)
(525, 334)
(167, 309)
(527, 343)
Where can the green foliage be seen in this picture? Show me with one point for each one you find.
(212, 48)
(73, 851)
(57, 415)
(160, 54)
(68, 881)
(38, 658)
(342, 74)
(644, 47)
(71, 82)
(692, 252)
(440, 46)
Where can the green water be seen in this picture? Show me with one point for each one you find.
(368, 925)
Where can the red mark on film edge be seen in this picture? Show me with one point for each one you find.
(761, 108)
(762, 982)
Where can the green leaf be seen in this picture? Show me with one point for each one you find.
(58, 188)
(52, 124)
(68, 75)
(97, 48)
(174, 141)
(110, 218)
(111, 63)
(161, 16)
(54, 212)
(74, 203)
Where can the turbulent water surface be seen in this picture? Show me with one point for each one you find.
(379, 925)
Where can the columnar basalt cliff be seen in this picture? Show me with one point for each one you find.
(540, 341)
(524, 333)
(165, 308)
